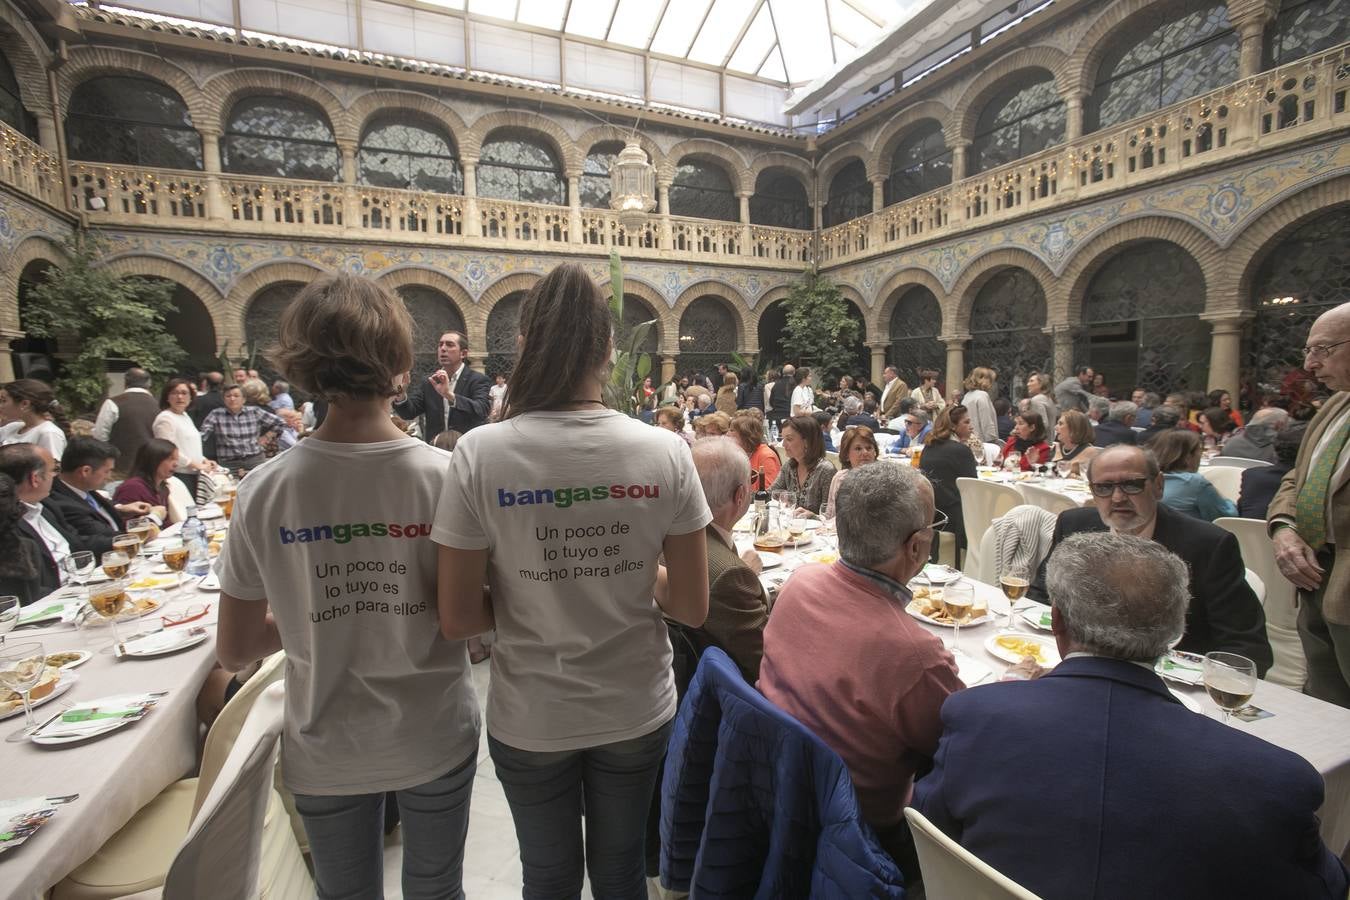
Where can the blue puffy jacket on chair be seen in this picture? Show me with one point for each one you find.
(754, 805)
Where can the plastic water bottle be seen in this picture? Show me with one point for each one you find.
(194, 537)
(773, 432)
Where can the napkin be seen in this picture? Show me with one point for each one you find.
(970, 670)
(93, 717)
(159, 641)
(63, 610)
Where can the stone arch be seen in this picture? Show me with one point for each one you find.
(956, 316)
(374, 103)
(170, 270)
(723, 155)
(568, 156)
(830, 164)
(431, 278)
(1082, 64)
(1253, 244)
(879, 320)
(224, 91)
(476, 317)
(603, 133)
(780, 160)
(28, 251)
(898, 128)
(746, 330)
(28, 56)
(249, 285)
(653, 298)
(92, 62)
(1066, 308)
(992, 79)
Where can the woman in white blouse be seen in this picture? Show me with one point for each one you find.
(803, 397)
(30, 414)
(174, 425)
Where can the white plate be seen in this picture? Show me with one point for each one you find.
(812, 524)
(1033, 616)
(769, 560)
(1182, 667)
(1189, 702)
(68, 681)
(936, 574)
(85, 733)
(1049, 651)
(85, 656)
(209, 582)
(210, 511)
(95, 620)
(57, 610)
(987, 617)
(162, 643)
(98, 577)
(151, 583)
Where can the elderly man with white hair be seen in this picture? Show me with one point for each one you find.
(843, 658)
(1118, 428)
(1257, 440)
(1098, 760)
(737, 604)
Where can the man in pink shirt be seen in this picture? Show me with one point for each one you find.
(843, 658)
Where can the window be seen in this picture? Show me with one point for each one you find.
(1023, 119)
(1007, 330)
(921, 163)
(780, 201)
(433, 314)
(594, 182)
(916, 322)
(400, 153)
(1305, 27)
(707, 335)
(281, 138)
(850, 194)
(1194, 50)
(703, 191)
(503, 325)
(135, 121)
(519, 166)
(12, 112)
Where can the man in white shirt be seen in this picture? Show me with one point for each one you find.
(127, 420)
(455, 397)
(33, 470)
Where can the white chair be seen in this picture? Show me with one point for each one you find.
(1046, 499)
(1227, 480)
(986, 559)
(834, 458)
(1258, 554)
(981, 503)
(138, 856)
(1257, 585)
(950, 872)
(991, 454)
(179, 500)
(1237, 462)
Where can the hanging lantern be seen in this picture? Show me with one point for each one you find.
(632, 187)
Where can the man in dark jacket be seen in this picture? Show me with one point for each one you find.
(1224, 614)
(454, 398)
(86, 466)
(1259, 483)
(780, 397)
(1118, 427)
(42, 528)
(1257, 440)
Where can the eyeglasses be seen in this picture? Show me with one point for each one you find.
(940, 520)
(1321, 351)
(1130, 486)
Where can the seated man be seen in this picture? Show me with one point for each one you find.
(916, 427)
(860, 412)
(1257, 440)
(86, 466)
(1118, 427)
(843, 658)
(42, 530)
(1112, 774)
(1259, 483)
(737, 604)
(1224, 613)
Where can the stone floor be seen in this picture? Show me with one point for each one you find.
(491, 854)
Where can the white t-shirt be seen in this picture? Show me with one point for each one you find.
(337, 538)
(179, 430)
(573, 508)
(44, 434)
(803, 396)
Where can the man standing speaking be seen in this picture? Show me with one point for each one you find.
(454, 398)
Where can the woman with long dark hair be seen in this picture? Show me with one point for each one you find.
(947, 457)
(562, 509)
(30, 414)
(148, 481)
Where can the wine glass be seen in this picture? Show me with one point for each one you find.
(144, 529)
(9, 616)
(1015, 583)
(110, 600)
(175, 555)
(958, 601)
(79, 566)
(116, 564)
(796, 526)
(1063, 468)
(128, 544)
(1230, 681)
(21, 668)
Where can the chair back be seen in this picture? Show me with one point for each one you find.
(225, 730)
(1046, 499)
(1257, 585)
(1258, 554)
(991, 454)
(1237, 462)
(1227, 480)
(223, 847)
(950, 872)
(834, 458)
(981, 503)
(987, 559)
(179, 500)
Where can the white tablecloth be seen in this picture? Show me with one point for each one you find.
(117, 774)
(1317, 731)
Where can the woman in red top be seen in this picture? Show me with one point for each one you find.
(1028, 439)
(149, 477)
(749, 433)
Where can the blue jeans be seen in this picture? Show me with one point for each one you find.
(548, 793)
(346, 839)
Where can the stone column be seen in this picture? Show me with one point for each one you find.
(211, 153)
(960, 153)
(472, 226)
(956, 363)
(217, 203)
(573, 208)
(664, 237)
(878, 192)
(745, 208)
(668, 365)
(1073, 105)
(348, 151)
(744, 249)
(47, 138)
(1062, 336)
(1250, 18)
(1225, 349)
(818, 215)
(6, 357)
(878, 349)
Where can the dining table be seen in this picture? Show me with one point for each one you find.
(117, 773)
(1315, 730)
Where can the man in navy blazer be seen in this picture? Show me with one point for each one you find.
(454, 397)
(1094, 782)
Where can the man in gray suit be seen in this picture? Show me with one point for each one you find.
(1072, 393)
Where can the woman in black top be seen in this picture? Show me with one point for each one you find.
(945, 459)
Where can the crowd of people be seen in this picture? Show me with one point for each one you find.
(580, 539)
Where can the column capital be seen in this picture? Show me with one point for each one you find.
(468, 160)
(876, 345)
(1222, 321)
(11, 334)
(954, 340)
(1248, 14)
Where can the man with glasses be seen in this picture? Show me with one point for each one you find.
(1309, 519)
(1127, 487)
(841, 655)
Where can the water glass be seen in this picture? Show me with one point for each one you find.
(9, 616)
(1230, 681)
(21, 668)
(79, 566)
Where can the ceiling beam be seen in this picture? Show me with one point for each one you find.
(613, 14)
(656, 25)
(777, 42)
(866, 14)
(829, 30)
(704, 21)
(736, 44)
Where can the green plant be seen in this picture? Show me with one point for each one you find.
(248, 361)
(630, 364)
(818, 329)
(106, 316)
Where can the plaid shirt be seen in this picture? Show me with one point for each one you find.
(237, 433)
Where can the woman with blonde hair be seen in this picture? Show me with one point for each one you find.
(979, 384)
(748, 430)
(563, 509)
(1073, 441)
(376, 700)
(726, 394)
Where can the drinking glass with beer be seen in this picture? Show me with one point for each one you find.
(127, 543)
(175, 554)
(958, 601)
(226, 504)
(144, 529)
(1015, 582)
(116, 563)
(110, 600)
(1230, 681)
